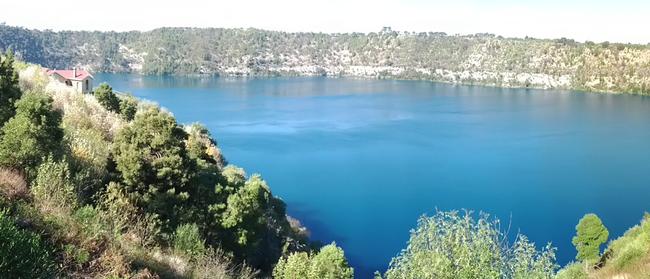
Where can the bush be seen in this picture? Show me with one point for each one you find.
(329, 262)
(22, 253)
(128, 107)
(188, 241)
(31, 134)
(450, 245)
(52, 187)
(89, 155)
(150, 155)
(106, 97)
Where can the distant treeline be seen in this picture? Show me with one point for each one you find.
(470, 59)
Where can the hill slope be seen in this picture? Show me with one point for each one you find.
(471, 59)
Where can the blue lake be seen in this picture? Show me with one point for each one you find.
(358, 161)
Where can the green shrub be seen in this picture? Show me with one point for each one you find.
(89, 155)
(451, 245)
(76, 253)
(329, 262)
(151, 158)
(31, 134)
(22, 253)
(128, 107)
(106, 97)
(188, 241)
(52, 186)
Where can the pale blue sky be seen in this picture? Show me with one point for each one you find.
(596, 20)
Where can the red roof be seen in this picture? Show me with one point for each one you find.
(70, 74)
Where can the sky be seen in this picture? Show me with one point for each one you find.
(623, 21)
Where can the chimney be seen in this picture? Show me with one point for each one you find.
(74, 72)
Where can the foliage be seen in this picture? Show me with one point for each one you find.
(629, 254)
(477, 58)
(22, 253)
(451, 245)
(572, 271)
(254, 221)
(106, 97)
(53, 185)
(33, 133)
(9, 91)
(128, 107)
(590, 234)
(329, 262)
(151, 158)
(109, 194)
(187, 240)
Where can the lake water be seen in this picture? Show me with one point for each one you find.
(358, 161)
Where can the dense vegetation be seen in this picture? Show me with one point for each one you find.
(451, 245)
(108, 186)
(480, 58)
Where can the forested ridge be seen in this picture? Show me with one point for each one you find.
(468, 59)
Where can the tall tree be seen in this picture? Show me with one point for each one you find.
(106, 97)
(9, 91)
(590, 234)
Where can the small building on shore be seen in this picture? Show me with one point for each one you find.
(80, 80)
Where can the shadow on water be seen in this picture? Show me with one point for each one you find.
(321, 232)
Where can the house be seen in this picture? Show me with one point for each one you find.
(80, 80)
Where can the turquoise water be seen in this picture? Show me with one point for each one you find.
(358, 161)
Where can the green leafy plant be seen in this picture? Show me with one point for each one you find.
(590, 235)
(22, 253)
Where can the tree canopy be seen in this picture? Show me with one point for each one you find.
(328, 263)
(32, 134)
(9, 90)
(590, 234)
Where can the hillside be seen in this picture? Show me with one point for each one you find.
(469, 59)
(107, 186)
(626, 257)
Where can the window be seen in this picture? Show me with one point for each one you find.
(87, 87)
(68, 82)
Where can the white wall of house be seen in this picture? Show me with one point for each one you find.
(83, 86)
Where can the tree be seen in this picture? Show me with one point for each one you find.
(33, 133)
(9, 91)
(254, 220)
(150, 155)
(128, 107)
(106, 97)
(329, 263)
(450, 245)
(590, 234)
(187, 240)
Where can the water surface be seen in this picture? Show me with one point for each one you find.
(358, 161)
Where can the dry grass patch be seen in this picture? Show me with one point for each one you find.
(13, 185)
